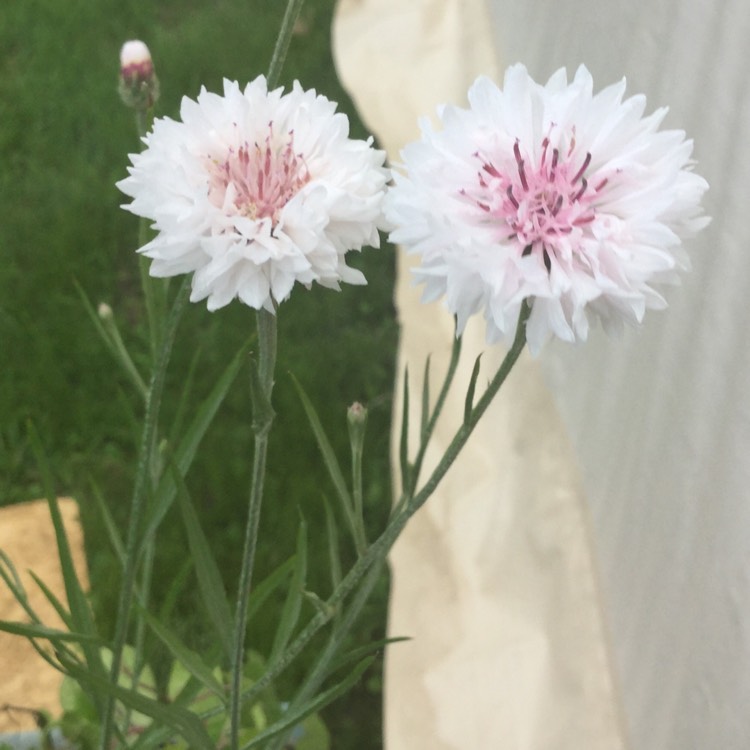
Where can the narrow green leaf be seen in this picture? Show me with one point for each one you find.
(329, 457)
(210, 583)
(359, 653)
(186, 450)
(469, 403)
(334, 554)
(35, 630)
(157, 736)
(80, 613)
(109, 522)
(294, 716)
(403, 451)
(110, 335)
(177, 584)
(185, 656)
(293, 604)
(13, 581)
(182, 721)
(79, 607)
(267, 586)
(62, 612)
(425, 415)
(9, 574)
(185, 400)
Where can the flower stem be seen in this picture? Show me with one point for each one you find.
(379, 549)
(291, 14)
(425, 439)
(140, 489)
(262, 420)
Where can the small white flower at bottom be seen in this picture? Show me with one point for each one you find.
(255, 191)
(550, 193)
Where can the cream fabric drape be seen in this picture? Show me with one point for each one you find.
(493, 579)
(496, 577)
(661, 419)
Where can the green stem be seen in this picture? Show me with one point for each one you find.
(320, 671)
(360, 534)
(153, 290)
(425, 439)
(262, 420)
(377, 552)
(140, 490)
(291, 14)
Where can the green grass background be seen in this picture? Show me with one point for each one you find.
(64, 139)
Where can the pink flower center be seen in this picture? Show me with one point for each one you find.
(263, 179)
(538, 204)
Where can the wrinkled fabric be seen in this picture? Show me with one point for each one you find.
(493, 579)
(656, 426)
(660, 420)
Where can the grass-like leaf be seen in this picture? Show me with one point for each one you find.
(334, 555)
(329, 458)
(469, 403)
(186, 450)
(81, 616)
(176, 586)
(185, 397)
(182, 721)
(373, 648)
(295, 715)
(403, 447)
(109, 523)
(36, 630)
(62, 612)
(110, 335)
(293, 604)
(210, 583)
(267, 586)
(425, 414)
(185, 656)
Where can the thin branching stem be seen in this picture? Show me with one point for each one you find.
(262, 420)
(138, 503)
(379, 549)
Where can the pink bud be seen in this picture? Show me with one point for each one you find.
(139, 87)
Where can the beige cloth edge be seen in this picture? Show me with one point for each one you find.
(27, 536)
(494, 578)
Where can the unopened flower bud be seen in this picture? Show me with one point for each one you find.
(356, 414)
(139, 86)
(104, 311)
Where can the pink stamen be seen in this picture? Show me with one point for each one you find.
(584, 185)
(539, 202)
(519, 162)
(580, 172)
(265, 178)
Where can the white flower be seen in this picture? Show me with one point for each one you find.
(254, 191)
(571, 200)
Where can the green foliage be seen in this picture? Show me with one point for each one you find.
(64, 136)
(137, 704)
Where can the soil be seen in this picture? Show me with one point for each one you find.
(27, 682)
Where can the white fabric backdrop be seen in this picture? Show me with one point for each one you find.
(493, 577)
(659, 421)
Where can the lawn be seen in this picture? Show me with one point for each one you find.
(64, 140)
